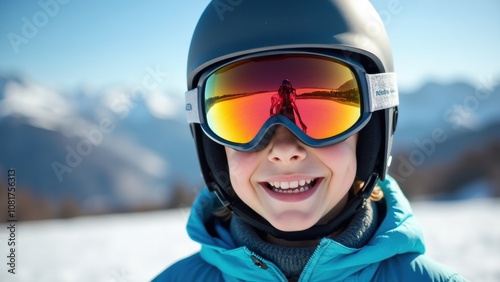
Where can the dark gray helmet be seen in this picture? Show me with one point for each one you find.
(348, 29)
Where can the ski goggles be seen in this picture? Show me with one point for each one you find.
(321, 99)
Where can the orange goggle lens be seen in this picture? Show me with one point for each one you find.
(319, 94)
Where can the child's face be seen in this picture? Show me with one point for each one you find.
(263, 179)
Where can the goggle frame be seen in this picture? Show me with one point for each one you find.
(377, 92)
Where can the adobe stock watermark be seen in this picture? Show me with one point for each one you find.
(224, 6)
(121, 274)
(374, 28)
(95, 136)
(393, 7)
(31, 26)
(459, 113)
(456, 115)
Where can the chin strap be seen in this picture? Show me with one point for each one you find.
(354, 204)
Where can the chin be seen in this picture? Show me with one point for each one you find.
(291, 223)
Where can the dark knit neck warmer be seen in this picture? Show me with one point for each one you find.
(293, 260)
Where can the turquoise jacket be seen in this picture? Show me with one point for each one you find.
(395, 253)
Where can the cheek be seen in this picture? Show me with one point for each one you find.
(240, 164)
(241, 168)
(341, 159)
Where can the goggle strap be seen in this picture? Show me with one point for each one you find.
(192, 109)
(383, 91)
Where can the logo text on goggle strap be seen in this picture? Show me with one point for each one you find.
(385, 92)
(192, 106)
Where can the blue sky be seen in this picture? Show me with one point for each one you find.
(94, 43)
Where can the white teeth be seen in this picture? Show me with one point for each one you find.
(296, 186)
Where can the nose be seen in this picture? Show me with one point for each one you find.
(285, 148)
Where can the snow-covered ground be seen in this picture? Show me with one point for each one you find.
(135, 247)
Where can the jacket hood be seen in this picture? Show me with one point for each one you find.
(398, 233)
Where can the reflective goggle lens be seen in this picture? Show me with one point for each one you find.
(319, 94)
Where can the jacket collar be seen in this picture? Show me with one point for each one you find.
(398, 233)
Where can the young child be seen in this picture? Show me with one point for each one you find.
(297, 197)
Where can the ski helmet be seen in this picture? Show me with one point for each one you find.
(228, 30)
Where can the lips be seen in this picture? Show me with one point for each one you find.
(291, 187)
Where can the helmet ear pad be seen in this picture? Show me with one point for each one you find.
(216, 163)
(369, 147)
(368, 151)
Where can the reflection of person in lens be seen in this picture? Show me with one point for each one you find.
(284, 103)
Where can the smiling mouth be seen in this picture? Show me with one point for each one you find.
(292, 187)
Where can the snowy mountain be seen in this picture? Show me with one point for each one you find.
(448, 141)
(456, 108)
(93, 151)
(89, 151)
